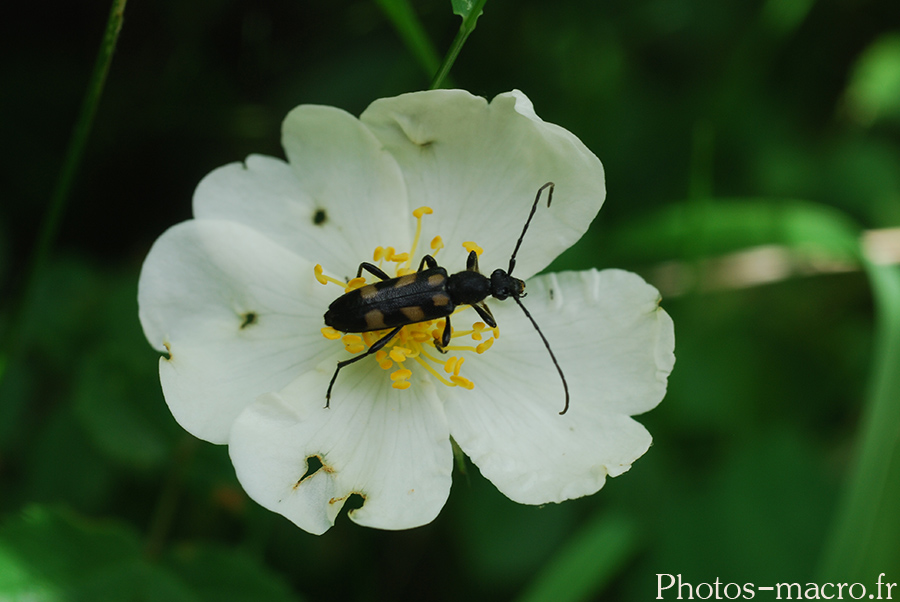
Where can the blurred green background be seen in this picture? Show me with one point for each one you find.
(723, 126)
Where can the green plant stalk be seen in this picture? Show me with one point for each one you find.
(71, 162)
(864, 538)
(465, 28)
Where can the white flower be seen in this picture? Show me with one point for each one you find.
(234, 300)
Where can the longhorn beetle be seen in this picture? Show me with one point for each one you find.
(429, 294)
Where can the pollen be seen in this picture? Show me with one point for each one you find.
(415, 347)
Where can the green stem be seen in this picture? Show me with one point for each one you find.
(71, 162)
(467, 26)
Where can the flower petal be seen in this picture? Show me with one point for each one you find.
(479, 166)
(391, 447)
(238, 314)
(615, 346)
(342, 193)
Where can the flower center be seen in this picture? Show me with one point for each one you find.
(415, 344)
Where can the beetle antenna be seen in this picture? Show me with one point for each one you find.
(547, 345)
(512, 259)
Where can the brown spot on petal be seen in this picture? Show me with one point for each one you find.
(248, 319)
(314, 464)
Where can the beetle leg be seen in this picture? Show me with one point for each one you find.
(375, 347)
(427, 259)
(472, 262)
(445, 336)
(372, 269)
(485, 313)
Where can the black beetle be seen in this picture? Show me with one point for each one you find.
(429, 294)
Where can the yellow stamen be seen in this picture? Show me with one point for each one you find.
(458, 366)
(323, 279)
(437, 243)
(465, 383)
(330, 333)
(401, 384)
(378, 254)
(471, 246)
(355, 284)
(401, 374)
(433, 372)
(399, 354)
(482, 347)
(450, 364)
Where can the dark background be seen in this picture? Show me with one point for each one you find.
(735, 111)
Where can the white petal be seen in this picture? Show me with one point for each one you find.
(392, 447)
(338, 173)
(479, 166)
(238, 314)
(615, 346)
(347, 170)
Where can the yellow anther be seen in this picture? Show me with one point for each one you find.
(496, 331)
(482, 347)
(386, 364)
(437, 243)
(400, 257)
(355, 284)
(458, 366)
(450, 364)
(471, 246)
(389, 253)
(319, 274)
(369, 338)
(402, 384)
(330, 333)
(418, 213)
(398, 354)
(421, 336)
(351, 339)
(378, 254)
(401, 374)
(463, 382)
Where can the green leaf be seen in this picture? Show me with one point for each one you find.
(714, 227)
(412, 32)
(866, 529)
(874, 89)
(464, 8)
(215, 574)
(587, 562)
(49, 555)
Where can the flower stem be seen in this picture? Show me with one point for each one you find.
(465, 28)
(71, 161)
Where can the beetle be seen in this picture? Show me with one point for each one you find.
(430, 293)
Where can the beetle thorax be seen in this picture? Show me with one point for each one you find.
(468, 287)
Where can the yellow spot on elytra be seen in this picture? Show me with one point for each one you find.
(413, 314)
